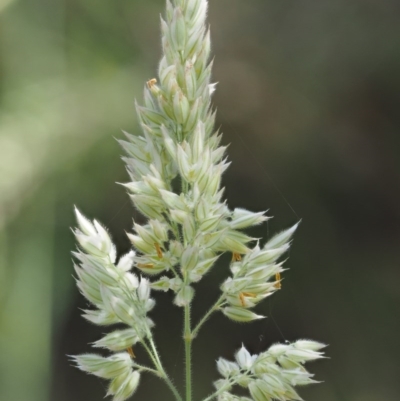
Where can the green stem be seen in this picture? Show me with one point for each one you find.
(188, 354)
(173, 388)
(221, 390)
(153, 354)
(153, 359)
(146, 369)
(208, 314)
(231, 382)
(163, 372)
(175, 272)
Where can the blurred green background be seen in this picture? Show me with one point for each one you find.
(308, 98)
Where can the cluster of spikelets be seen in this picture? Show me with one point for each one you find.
(270, 375)
(175, 170)
(255, 277)
(119, 297)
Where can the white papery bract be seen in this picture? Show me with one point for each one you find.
(118, 340)
(108, 368)
(273, 374)
(227, 368)
(244, 359)
(124, 386)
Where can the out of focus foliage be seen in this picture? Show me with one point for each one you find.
(308, 97)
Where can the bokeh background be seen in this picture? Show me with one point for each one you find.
(308, 98)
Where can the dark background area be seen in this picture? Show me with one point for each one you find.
(308, 99)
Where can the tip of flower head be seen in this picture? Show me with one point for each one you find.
(309, 345)
(297, 225)
(72, 359)
(78, 214)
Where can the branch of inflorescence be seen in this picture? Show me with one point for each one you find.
(160, 371)
(188, 352)
(216, 306)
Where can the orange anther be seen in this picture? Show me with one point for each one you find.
(242, 300)
(158, 249)
(236, 257)
(242, 296)
(130, 352)
(278, 284)
(249, 294)
(145, 265)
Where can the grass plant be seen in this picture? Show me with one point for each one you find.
(175, 168)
